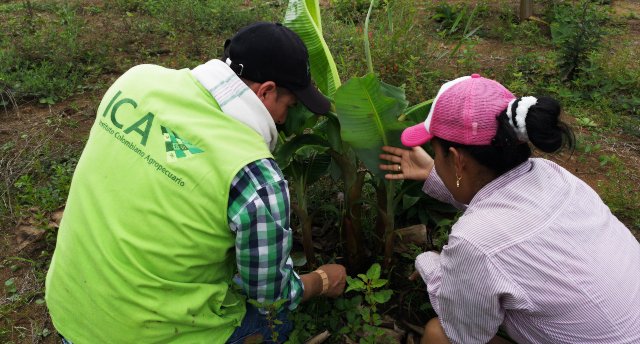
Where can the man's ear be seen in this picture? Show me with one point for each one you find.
(266, 89)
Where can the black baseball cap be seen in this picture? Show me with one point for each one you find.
(272, 52)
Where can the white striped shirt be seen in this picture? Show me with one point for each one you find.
(538, 252)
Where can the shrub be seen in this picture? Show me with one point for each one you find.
(576, 32)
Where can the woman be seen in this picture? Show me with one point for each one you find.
(536, 250)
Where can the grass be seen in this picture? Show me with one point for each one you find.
(57, 59)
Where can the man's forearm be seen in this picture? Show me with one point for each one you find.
(312, 283)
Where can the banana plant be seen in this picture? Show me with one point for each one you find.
(368, 110)
(366, 117)
(304, 18)
(304, 160)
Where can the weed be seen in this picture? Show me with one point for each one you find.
(586, 122)
(10, 286)
(42, 56)
(363, 319)
(589, 148)
(352, 11)
(49, 195)
(611, 79)
(576, 31)
(448, 16)
(37, 172)
(532, 73)
(451, 18)
(620, 191)
(195, 23)
(272, 310)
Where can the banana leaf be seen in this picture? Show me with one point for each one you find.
(368, 111)
(288, 151)
(298, 119)
(312, 166)
(303, 17)
(418, 113)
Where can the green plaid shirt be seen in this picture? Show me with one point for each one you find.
(259, 216)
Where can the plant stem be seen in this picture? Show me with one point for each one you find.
(367, 45)
(390, 223)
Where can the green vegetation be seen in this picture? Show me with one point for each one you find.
(357, 315)
(58, 57)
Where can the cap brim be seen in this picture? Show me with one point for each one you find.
(313, 100)
(415, 136)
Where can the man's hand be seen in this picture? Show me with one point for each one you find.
(336, 281)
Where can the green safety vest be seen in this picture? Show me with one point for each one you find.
(144, 251)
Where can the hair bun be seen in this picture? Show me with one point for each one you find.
(517, 112)
(544, 128)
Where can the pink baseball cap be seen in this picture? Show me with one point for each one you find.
(464, 111)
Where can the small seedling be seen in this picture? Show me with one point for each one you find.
(586, 122)
(10, 286)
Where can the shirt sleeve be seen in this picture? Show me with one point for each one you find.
(465, 289)
(258, 214)
(435, 188)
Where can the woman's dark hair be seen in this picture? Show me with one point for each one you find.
(544, 130)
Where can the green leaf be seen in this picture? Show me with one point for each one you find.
(298, 119)
(287, 151)
(418, 113)
(10, 285)
(351, 317)
(309, 152)
(45, 332)
(333, 133)
(278, 304)
(409, 201)
(382, 296)
(314, 12)
(303, 17)
(312, 167)
(376, 319)
(356, 300)
(299, 258)
(379, 283)
(354, 284)
(255, 303)
(363, 277)
(368, 110)
(374, 271)
(365, 313)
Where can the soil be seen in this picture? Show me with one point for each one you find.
(68, 123)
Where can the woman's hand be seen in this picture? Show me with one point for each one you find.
(413, 164)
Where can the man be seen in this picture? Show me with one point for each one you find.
(175, 190)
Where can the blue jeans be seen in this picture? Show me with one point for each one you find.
(255, 327)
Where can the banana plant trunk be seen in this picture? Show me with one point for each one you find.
(306, 223)
(352, 218)
(526, 9)
(389, 234)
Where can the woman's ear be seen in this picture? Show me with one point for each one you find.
(458, 159)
